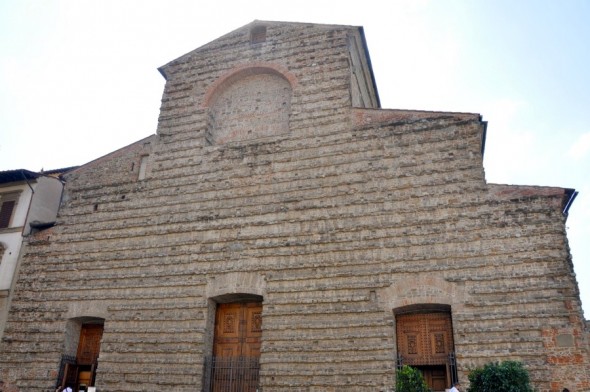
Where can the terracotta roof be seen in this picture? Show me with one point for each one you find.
(58, 172)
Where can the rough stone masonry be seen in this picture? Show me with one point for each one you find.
(276, 177)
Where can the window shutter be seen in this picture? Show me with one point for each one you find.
(6, 213)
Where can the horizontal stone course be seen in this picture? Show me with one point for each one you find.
(338, 223)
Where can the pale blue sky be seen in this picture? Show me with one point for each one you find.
(78, 78)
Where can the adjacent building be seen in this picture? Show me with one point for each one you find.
(28, 203)
(282, 232)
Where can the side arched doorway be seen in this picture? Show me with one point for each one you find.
(78, 365)
(424, 339)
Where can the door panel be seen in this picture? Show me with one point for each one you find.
(424, 338)
(253, 331)
(89, 345)
(435, 377)
(227, 330)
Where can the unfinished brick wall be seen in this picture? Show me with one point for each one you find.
(335, 221)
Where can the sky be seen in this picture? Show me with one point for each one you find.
(79, 79)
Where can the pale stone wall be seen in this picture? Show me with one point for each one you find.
(345, 217)
(252, 107)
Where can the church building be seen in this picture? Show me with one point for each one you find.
(283, 232)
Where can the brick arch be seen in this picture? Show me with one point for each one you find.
(249, 103)
(243, 71)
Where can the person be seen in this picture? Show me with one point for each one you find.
(456, 387)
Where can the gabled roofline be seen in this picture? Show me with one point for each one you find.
(360, 29)
(162, 69)
(59, 171)
(111, 154)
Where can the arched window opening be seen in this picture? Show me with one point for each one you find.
(424, 337)
(81, 351)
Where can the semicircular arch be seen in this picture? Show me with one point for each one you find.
(249, 103)
(242, 71)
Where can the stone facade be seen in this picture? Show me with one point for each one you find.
(274, 173)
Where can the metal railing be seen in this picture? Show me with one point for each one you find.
(453, 367)
(65, 360)
(231, 374)
(451, 363)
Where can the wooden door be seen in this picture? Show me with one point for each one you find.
(236, 349)
(435, 377)
(424, 338)
(89, 345)
(425, 341)
(238, 328)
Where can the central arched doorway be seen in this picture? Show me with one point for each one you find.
(235, 363)
(425, 341)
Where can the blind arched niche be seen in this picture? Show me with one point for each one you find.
(253, 103)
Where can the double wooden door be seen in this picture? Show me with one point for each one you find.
(238, 328)
(424, 341)
(236, 348)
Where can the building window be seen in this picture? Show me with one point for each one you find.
(7, 204)
(142, 167)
